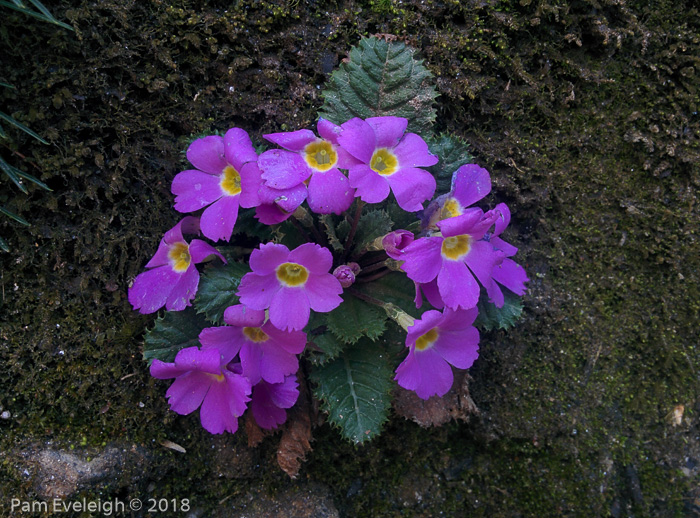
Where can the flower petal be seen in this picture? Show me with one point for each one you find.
(330, 192)
(218, 219)
(357, 138)
(422, 259)
(184, 290)
(323, 292)
(315, 258)
(412, 187)
(250, 185)
(289, 309)
(264, 260)
(194, 190)
(412, 151)
(187, 392)
(470, 183)
(458, 287)
(241, 316)
(226, 339)
(283, 169)
(460, 349)
(207, 154)
(293, 140)
(257, 291)
(152, 288)
(388, 130)
(201, 251)
(239, 148)
(370, 186)
(215, 415)
(511, 275)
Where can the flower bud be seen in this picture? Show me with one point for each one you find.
(345, 275)
(394, 243)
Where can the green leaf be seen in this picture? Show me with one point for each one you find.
(217, 289)
(355, 318)
(381, 78)
(394, 287)
(354, 389)
(453, 152)
(21, 126)
(329, 348)
(12, 215)
(329, 224)
(3, 245)
(173, 331)
(490, 317)
(44, 15)
(372, 224)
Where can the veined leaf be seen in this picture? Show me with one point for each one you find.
(354, 389)
(355, 318)
(217, 289)
(490, 317)
(329, 224)
(372, 224)
(329, 347)
(454, 153)
(381, 78)
(173, 331)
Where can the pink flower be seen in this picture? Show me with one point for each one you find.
(227, 176)
(311, 163)
(266, 353)
(470, 183)
(270, 401)
(202, 379)
(389, 161)
(435, 342)
(509, 273)
(454, 258)
(173, 278)
(290, 284)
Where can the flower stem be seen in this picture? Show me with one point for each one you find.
(353, 229)
(370, 278)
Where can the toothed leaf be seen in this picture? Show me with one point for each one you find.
(355, 390)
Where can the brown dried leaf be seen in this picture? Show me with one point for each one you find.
(296, 437)
(253, 431)
(436, 411)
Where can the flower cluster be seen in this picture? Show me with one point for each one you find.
(454, 254)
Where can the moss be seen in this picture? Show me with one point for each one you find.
(586, 115)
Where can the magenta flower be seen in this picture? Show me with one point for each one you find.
(394, 243)
(290, 284)
(266, 353)
(202, 379)
(227, 176)
(270, 401)
(509, 273)
(435, 342)
(470, 183)
(277, 205)
(389, 161)
(173, 278)
(454, 258)
(307, 160)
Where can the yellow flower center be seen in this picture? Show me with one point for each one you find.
(292, 274)
(230, 181)
(456, 247)
(179, 255)
(384, 162)
(320, 155)
(450, 209)
(427, 340)
(217, 377)
(255, 334)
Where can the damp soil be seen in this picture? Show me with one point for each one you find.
(584, 112)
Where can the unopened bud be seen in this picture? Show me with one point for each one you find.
(345, 275)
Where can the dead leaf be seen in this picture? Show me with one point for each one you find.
(296, 437)
(456, 404)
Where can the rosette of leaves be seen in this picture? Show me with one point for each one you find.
(352, 351)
